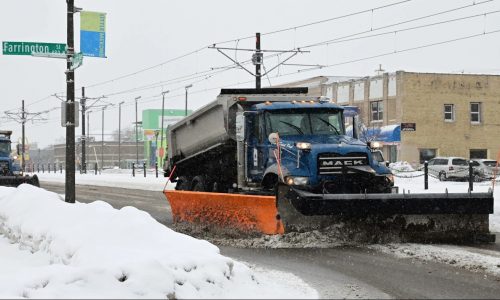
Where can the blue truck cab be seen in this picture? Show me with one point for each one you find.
(8, 165)
(304, 144)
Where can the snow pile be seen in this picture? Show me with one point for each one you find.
(401, 166)
(95, 251)
(473, 259)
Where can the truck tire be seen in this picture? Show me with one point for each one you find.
(34, 181)
(183, 183)
(199, 184)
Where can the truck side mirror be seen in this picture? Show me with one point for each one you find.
(273, 138)
(18, 147)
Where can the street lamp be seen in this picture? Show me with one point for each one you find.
(102, 135)
(120, 133)
(161, 152)
(186, 109)
(136, 133)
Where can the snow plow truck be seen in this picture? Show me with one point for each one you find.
(276, 160)
(10, 172)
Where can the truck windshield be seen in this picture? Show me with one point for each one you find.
(4, 149)
(288, 122)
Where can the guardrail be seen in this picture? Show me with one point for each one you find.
(59, 167)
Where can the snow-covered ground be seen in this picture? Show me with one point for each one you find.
(413, 183)
(113, 178)
(52, 249)
(472, 258)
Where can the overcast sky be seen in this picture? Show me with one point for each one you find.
(144, 34)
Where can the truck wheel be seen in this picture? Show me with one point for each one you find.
(182, 184)
(199, 184)
(34, 181)
(442, 176)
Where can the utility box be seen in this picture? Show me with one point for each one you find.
(63, 114)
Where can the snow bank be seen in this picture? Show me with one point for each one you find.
(95, 251)
(416, 185)
(113, 178)
(473, 259)
(401, 166)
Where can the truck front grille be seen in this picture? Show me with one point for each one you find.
(333, 163)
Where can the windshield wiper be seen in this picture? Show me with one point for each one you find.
(329, 124)
(293, 126)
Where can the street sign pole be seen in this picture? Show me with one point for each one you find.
(70, 107)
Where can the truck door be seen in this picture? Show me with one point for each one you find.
(255, 151)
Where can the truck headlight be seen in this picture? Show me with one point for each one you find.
(290, 180)
(303, 145)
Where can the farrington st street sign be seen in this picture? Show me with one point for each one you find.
(30, 48)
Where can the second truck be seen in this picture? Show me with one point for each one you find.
(277, 160)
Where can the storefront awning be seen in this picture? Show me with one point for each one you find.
(386, 134)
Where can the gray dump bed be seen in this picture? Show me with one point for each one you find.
(205, 128)
(214, 124)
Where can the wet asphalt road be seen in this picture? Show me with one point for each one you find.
(343, 272)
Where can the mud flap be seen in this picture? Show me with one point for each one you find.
(455, 218)
(248, 214)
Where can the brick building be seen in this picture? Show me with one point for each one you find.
(451, 114)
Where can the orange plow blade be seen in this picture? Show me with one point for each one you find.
(246, 213)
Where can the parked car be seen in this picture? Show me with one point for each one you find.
(484, 169)
(449, 168)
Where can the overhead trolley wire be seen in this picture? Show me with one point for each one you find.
(343, 39)
(398, 23)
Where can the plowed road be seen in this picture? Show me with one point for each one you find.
(336, 273)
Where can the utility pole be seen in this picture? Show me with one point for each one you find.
(161, 151)
(257, 61)
(102, 138)
(120, 134)
(22, 117)
(136, 133)
(70, 108)
(88, 125)
(23, 121)
(186, 104)
(84, 137)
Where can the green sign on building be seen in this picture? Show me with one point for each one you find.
(153, 142)
(30, 48)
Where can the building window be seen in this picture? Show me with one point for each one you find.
(377, 109)
(478, 153)
(449, 112)
(475, 112)
(427, 154)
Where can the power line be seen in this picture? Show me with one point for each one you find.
(268, 33)
(244, 38)
(316, 22)
(395, 24)
(395, 52)
(342, 40)
(337, 18)
(156, 98)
